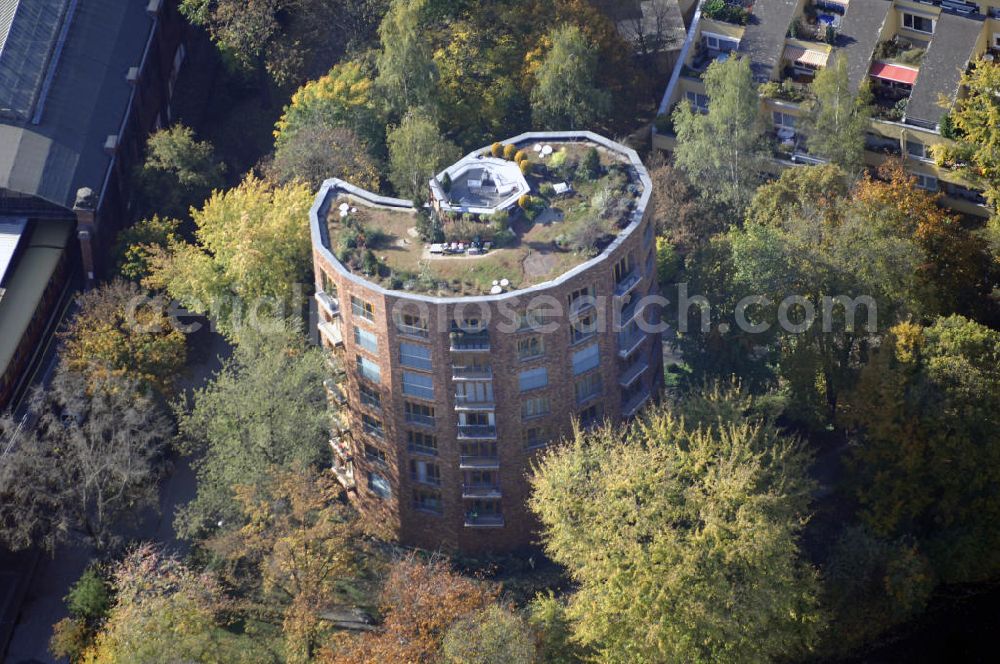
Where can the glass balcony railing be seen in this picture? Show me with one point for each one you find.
(480, 491)
(627, 284)
(470, 341)
(473, 520)
(471, 373)
(466, 462)
(477, 432)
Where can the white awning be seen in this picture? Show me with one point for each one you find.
(11, 231)
(807, 57)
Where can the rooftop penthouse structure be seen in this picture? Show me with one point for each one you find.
(469, 330)
(913, 53)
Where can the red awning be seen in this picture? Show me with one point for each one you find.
(896, 73)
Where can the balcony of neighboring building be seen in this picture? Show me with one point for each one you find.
(479, 461)
(477, 432)
(480, 490)
(475, 402)
(470, 341)
(634, 398)
(471, 372)
(343, 463)
(476, 520)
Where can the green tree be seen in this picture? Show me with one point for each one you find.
(88, 602)
(724, 152)
(661, 523)
(407, 75)
(494, 635)
(976, 117)
(138, 242)
(554, 632)
(164, 611)
(838, 117)
(417, 151)
(926, 460)
(566, 94)
(252, 248)
(90, 462)
(178, 172)
(265, 408)
(121, 331)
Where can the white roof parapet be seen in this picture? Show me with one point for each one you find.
(320, 233)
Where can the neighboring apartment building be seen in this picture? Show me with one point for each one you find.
(912, 52)
(463, 359)
(81, 85)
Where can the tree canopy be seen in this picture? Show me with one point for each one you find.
(417, 151)
(179, 172)
(566, 93)
(660, 524)
(838, 117)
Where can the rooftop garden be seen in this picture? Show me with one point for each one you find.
(729, 11)
(545, 233)
(899, 51)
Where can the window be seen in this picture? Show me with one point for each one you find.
(362, 309)
(379, 485)
(582, 328)
(590, 415)
(532, 379)
(719, 42)
(366, 339)
(623, 269)
(917, 150)
(530, 347)
(534, 407)
(581, 298)
(530, 320)
(418, 413)
(427, 500)
(483, 479)
(535, 437)
(421, 442)
(918, 23)
(415, 356)
(425, 472)
(928, 182)
(369, 396)
(372, 425)
(369, 370)
(480, 450)
(698, 101)
(474, 392)
(587, 387)
(327, 284)
(783, 120)
(481, 508)
(586, 359)
(418, 385)
(374, 454)
(414, 326)
(468, 325)
(476, 419)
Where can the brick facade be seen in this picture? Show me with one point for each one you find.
(468, 485)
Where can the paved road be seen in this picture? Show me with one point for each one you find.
(44, 604)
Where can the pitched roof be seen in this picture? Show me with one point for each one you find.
(950, 50)
(764, 37)
(859, 33)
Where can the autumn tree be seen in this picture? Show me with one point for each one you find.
(89, 462)
(837, 117)
(566, 94)
(682, 217)
(251, 249)
(136, 244)
(165, 611)
(319, 151)
(88, 603)
(417, 151)
(121, 331)
(344, 97)
(265, 408)
(407, 75)
(178, 172)
(294, 554)
(925, 461)
(494, 635)
(704, 495)
(420, 601)
(725, 150)
(976, 121)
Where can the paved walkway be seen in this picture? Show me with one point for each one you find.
(44, 606)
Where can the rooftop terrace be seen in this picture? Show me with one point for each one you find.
(495, 223)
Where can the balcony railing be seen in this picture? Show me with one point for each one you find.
(627, 284)
(480, 491)
(478, 462)
(417, 418)
(630, 374)
(328, 302)
(422, 449)
(477, 432)
(629, 343)
(477, 342)
(473, 520)
(471, 373)
(331, 332)
(474, 402)
(334, 391)
(412, 330)
(429, 481)
(634, 403)
(344, 475)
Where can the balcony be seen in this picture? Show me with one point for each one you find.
(471, 373)
(627, 284)
(631, 406)
(331, 333)
(474, 403)
(636, 369)
(480, 491)
(344, 475)
(630, 343)
(412, 331)
(470, 342)
(477, 432)
(329, 303)
(473, 520)
(422, 420)
(478, 462)
(581, 305)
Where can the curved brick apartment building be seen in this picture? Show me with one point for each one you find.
(449, 383)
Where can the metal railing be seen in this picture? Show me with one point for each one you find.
(477, 431)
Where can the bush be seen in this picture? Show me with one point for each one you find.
(504, 237)
(520, 156)
(720, 10)
(496, 149)
(524, 201)
(509, 150)
(948, 129)
(591, 164)
(546, 189)
(446, 182)
(586, 235)
(500, 218)
(559, 158)
(369, 263)
(89, 598)
(525, 167)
